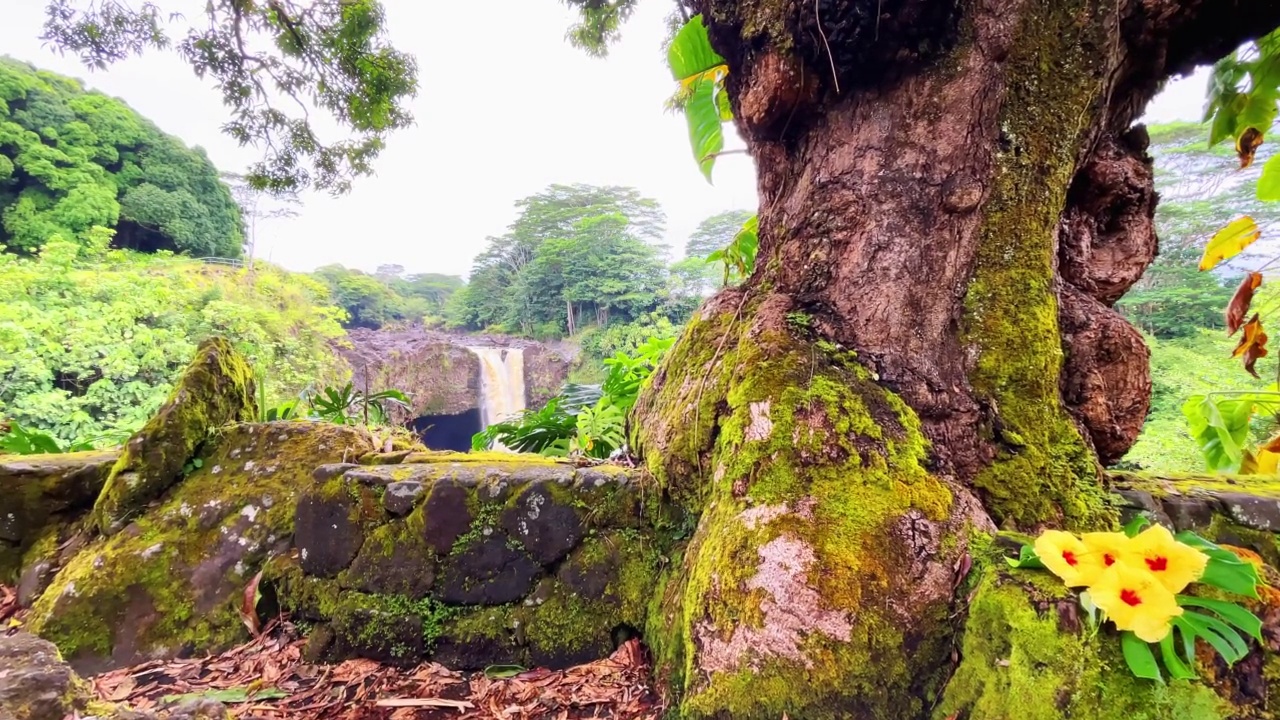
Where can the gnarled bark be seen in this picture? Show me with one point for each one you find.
(950, 201)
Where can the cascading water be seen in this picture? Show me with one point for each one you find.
(501, 383)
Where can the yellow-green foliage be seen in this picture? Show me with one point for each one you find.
(91, 344)
(1020, 663)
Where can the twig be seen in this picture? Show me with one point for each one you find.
(831, 58)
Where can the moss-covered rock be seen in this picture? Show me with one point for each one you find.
(216, 389)
(1026, 655)
(170, 580)
(41, 492)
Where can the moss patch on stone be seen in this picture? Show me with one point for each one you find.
(171, 579)
(216, 389)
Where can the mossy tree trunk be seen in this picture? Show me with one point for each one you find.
(952, 197)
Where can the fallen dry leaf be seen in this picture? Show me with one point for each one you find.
(1240, 301)
(613, 687)
(249, 606)
(1253, 344)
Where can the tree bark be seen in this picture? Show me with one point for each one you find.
(951, 198)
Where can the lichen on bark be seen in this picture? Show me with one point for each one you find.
(824, 546)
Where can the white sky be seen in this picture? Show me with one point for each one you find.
(505, 108)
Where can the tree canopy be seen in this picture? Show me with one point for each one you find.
(72, 160)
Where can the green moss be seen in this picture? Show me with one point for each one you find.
(217, 388)
(1019, 664)
(1045, 471)
(173, 578)
(841, 461)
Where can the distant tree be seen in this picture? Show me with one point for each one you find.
(1175, 299)
(715, 232)
(386, 273)
(504, 291)
(257, 205)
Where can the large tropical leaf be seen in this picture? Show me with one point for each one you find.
(690, 53)
(700, 72)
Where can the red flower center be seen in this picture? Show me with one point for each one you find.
(1108, 560)
(1070, 557)
(1158, 564)
(1130, 598)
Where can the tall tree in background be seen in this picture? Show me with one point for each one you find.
(559, 228)
(714, 233)
(952, 197)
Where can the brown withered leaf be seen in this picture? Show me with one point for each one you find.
(1246, 145)
(1240, 302)
(249, 606)
(1253, 344)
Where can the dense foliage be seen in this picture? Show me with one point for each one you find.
(73, 160)
(389, 295)
(90, 339)
(1182, 308)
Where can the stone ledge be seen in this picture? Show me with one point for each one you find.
(470, 560)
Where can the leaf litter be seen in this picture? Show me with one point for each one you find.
(267, 678)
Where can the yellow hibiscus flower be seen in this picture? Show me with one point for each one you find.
(1061, 552)
(1107, 548)
(1134, 599)
(1174, 564)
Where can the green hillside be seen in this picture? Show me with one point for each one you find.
(72, 160)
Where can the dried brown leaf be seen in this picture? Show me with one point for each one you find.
(1240, 301)
(1253, 344)
(1246, 145)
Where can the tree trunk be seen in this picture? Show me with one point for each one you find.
(569, 316)
(952, 197)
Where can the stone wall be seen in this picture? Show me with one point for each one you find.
(470, 560)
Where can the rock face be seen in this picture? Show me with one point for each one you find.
(39, 495)
(438, 372)
(167, 582)
(217, 388)
(35, 684)
(497, 559)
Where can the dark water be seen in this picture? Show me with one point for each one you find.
(448, 432)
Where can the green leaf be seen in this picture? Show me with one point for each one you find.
(499, 672)
(1222, 637)
(1178, 669)
(690, 52)
(1139, 658)
(1027, 558)
(1134, 526)
(1238, 578)
(1269, 183)
(229, 696)
(706, 129)
(1231, 612)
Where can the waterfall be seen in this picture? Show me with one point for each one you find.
(501, 383)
